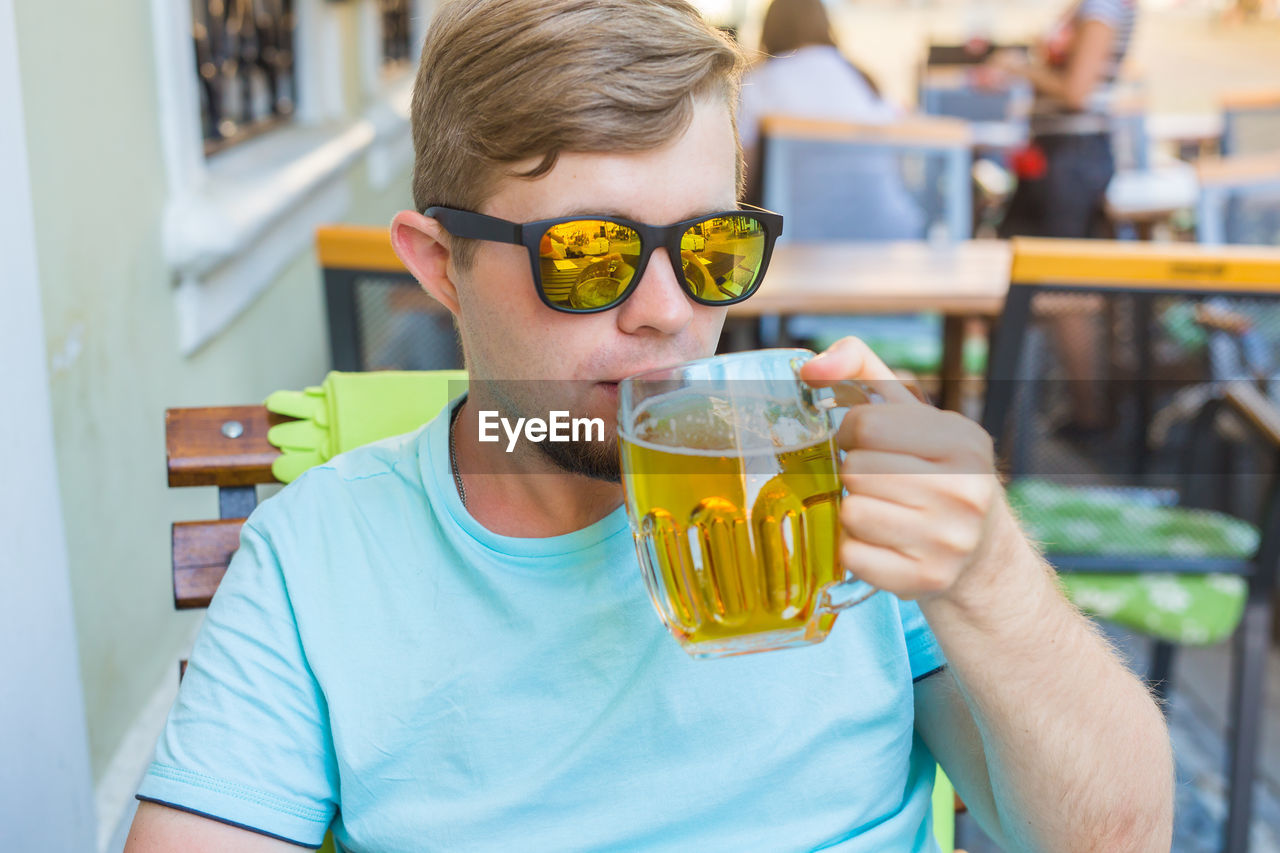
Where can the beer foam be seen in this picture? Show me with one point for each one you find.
(711, 425)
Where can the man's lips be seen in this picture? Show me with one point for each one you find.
(636, 371)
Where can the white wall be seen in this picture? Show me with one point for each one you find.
(45, 793)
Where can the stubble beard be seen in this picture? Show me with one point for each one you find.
(597, 460)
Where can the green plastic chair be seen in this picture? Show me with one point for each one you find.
(349, 410)
(944, 812)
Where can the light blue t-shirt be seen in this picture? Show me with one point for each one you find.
(378, 663)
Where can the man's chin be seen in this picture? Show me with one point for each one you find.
(595, 459)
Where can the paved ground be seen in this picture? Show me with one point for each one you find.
(1197, 715)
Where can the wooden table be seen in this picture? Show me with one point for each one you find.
(959, 280)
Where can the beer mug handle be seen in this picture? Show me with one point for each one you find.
(845, 393)
(845, 594)
(848, 392)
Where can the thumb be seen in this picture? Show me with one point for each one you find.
(851, 359)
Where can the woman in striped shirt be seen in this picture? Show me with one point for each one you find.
(1064, 173)
(1063, 177)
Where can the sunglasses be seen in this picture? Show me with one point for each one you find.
(585, 264)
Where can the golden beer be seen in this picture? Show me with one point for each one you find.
(737, 538)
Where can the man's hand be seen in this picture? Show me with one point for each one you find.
(923, 492)
(1046, 733)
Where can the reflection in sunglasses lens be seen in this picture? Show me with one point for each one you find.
(721, 256)
(587, 263)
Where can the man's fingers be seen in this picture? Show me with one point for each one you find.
(851, 359)
(888, 569)
(895, 477)
(877, 522)
(925, 432)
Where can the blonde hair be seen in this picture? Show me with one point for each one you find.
(503, 81)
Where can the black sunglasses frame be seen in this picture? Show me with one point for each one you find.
(478, 226)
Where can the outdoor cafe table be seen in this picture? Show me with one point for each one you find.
(963, 280)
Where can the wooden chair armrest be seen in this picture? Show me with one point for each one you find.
(1256, 410)
(219, 446)
(1222, 319)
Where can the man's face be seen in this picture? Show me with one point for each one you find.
(513, 338)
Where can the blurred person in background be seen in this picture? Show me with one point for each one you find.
(804, 74)
(1063, 174)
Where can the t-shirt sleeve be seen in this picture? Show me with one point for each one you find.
(248, 741)
(1110, 12)
(923, 651)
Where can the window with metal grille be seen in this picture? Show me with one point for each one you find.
(245, 67)
(396, 36)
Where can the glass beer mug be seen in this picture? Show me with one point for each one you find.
(731, 475)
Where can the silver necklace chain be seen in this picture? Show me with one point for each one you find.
(453, 457)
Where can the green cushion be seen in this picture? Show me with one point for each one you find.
(1087, 521)
(1188, 609)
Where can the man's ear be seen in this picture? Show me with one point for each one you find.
(423, 247)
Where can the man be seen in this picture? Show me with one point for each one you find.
(433, 644)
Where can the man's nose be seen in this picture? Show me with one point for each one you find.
(658, 302)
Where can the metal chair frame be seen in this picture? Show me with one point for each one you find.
(351, 256)
(1241, 107)
(1227, 178)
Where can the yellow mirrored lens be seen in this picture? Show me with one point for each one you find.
(722, 256)
(587, 263)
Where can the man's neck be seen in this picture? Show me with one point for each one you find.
(523, 493)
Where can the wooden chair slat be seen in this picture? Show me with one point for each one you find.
(200, 454)
(201, 552)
